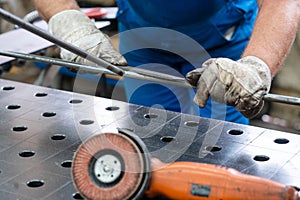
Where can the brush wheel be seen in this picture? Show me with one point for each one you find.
(110, 166)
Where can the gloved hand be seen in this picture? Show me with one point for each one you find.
(75, 27)
(241, 83)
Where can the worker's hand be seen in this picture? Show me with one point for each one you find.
(75, 27)
(241, 83)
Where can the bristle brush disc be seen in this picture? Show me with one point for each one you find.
(110, 166)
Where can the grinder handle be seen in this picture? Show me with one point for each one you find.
(188, 180)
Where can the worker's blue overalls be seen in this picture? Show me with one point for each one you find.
(205, 21)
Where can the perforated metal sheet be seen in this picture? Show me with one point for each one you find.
(41, 128)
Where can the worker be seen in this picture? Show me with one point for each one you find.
(246, 43)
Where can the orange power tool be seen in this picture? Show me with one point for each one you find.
(118, 166)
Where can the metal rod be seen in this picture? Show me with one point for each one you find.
(137, 74)
(129, 72)
(74, 49)
(49, 60)
(282, 99)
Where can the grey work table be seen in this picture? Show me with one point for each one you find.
(41, 128)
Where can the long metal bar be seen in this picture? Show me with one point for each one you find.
(74, 49)
(282, 99)
(49, 60)
(129, 72)
(137, 74)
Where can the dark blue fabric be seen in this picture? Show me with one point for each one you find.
(205, 21)
(166, 13)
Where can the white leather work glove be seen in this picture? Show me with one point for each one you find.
(241, 83)
(75, 27)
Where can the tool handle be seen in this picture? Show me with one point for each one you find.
(187, 180)
(95, 12)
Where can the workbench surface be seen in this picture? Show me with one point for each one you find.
(41, 129)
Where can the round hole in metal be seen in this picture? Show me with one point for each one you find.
(86, 122)
(48, 114)
(150, 116)
(41, 94)
(7, 88)
(191, 123)
(281, 141)
(35, 183)
(112, 108)
(261, 158)
(13, 107)
(27, 153)
(66, 164)
(235, 132)
(167, 138)
(213, 148)
(58, 137)
(19, 128)
(77, 196)
(128, 129)
(75, 101)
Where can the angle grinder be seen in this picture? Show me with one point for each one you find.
(119, 166)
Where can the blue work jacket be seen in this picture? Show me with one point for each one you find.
(163, 35)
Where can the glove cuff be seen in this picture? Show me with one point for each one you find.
(66, 22)
(74, 27)
(261, 67)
